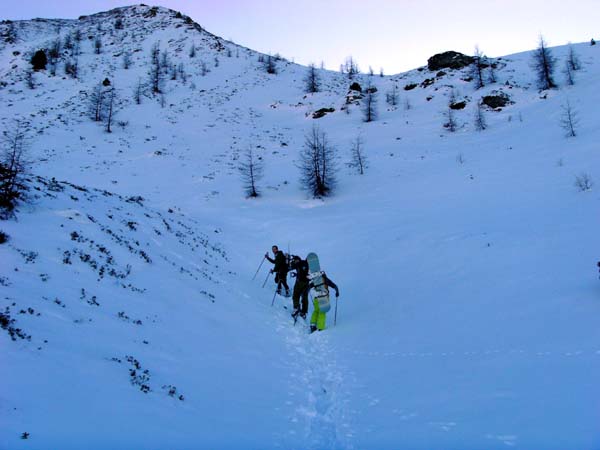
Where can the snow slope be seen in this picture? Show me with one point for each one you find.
(467, 315)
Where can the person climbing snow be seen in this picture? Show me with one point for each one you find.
(321, 284)
(280, 269)
(301, 267)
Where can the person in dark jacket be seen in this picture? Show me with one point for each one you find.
(301, 267)
(321, 285)
(280, 269)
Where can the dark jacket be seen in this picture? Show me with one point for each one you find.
(301, 268)
(279, 261)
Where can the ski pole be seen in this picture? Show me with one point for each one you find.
(274, 295)
(335, 315)
(266, 279)
(261, 263)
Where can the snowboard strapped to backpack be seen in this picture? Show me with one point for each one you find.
(316, 277)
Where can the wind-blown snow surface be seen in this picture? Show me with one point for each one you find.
(468, 315)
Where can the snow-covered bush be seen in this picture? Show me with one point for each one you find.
(583, 182)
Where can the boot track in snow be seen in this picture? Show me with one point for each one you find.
(318, 391)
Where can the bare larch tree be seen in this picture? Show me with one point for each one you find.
(370, 104)
(480, 121)
(96, 103)
(477, 68)
(359, 158)
(270, 65)
(138, 91)
(350, 67)
(251, 169)
(111, 104)
(450, 124)
(317, 164)
(13, 164)
(543, 64)
(573, 59)
(312, 82)
(391, 96)
(492, 72)
(569, 120)
(155, 72)
(569, 76)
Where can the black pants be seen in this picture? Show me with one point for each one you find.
(281, 279)
(301, 291)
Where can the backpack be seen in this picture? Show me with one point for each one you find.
(321, 291)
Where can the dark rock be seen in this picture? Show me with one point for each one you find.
(106, 82)
(151, 13)
(410, 86)
(322, 112)
(458, 105)
(355, 87)
(371, 90)
(427, 82)
(497, 100)
(449, 60)
(39, 60)
(353, 96)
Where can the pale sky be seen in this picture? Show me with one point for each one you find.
(396, 35)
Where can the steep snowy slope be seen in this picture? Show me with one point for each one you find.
(125, 328)
(469, 299)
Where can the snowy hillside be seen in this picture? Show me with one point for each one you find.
(468, 315)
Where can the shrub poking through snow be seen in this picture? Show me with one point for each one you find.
(583, 182)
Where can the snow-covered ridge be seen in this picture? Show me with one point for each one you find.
(151, 18)
(91, 278)
(85, 250)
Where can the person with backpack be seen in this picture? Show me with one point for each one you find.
(280, 269)
(321, 285)
(301, 267)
